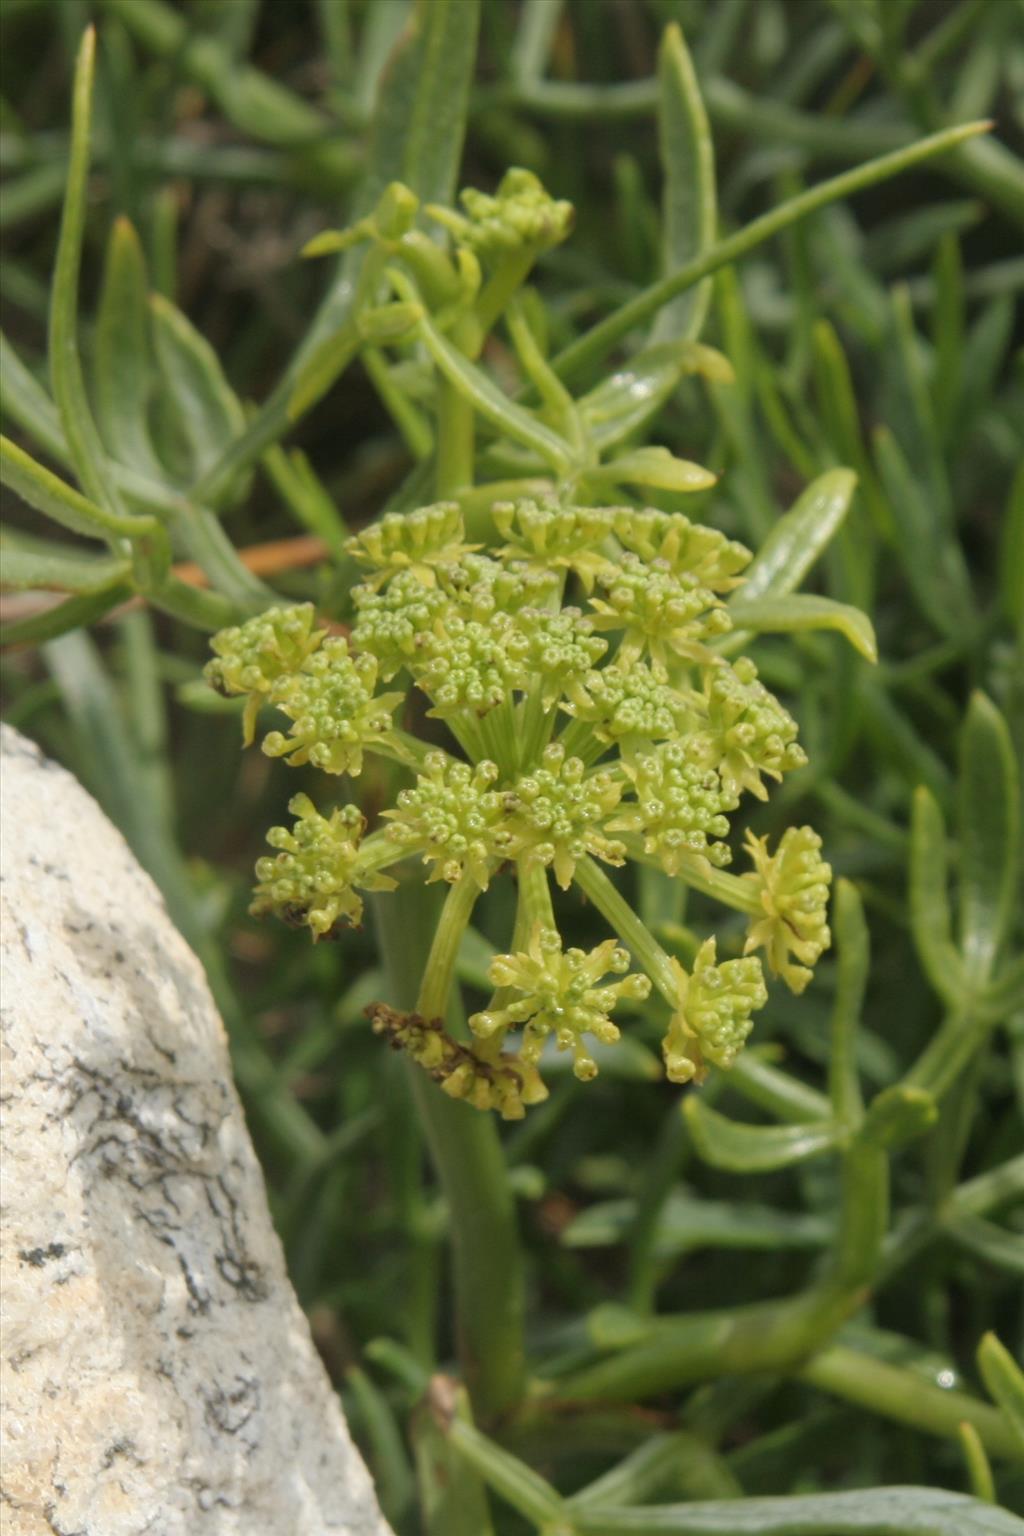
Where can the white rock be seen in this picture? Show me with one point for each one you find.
(159, 1375)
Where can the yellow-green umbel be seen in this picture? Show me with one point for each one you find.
(561, 993)
(573, 715)
(334, 710)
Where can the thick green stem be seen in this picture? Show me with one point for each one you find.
(676, 1352)
(466, 1152)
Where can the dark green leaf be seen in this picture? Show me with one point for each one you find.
(50, 495)
(986, 1240)
(931, 558)
(27, 402)
(74, 613)
(850, 936)
(1004, 1380)
(83, 440)
(687, 1225)
(633, 394)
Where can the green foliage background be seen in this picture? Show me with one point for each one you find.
(878, 333)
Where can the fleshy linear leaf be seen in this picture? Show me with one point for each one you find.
(897, 1115)
(989, 824)
(517, 1483)
(850, 933)
(987, 1240)
(654, 467)
(794, 612)
(48, 494)
(798, 538)
(452, 1498)
(485, 396)
(622, 403)
(417, 134)
(74, 613)
(254, 102)
(928, 552)
(26, 402)
(726, 1143)
(1004, 1381)
(1011, 562)
(209, 411)
(28, 564)
(895, 1511)
(687, 1225)
(597, 342)
(689, 205)
(979, 1469)
(84, 445)
(123, 364)
(930, 917)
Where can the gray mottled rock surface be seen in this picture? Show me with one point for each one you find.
(159, 1376)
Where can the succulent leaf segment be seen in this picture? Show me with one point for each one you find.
(542, 697)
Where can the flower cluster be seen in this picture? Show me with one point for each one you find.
(333, 708)
(792, 889)
(452, 817)
(712, 1018)
(561, 993)
(521, 214)
(418, 542)
(311, 881)
(584, 717)
(558, 813)
(497, 1081)
(250, 658)
(549, 689)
